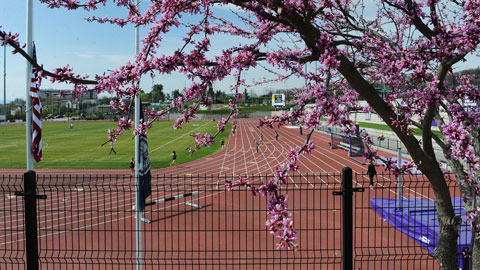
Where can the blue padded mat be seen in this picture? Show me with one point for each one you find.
(418, 220)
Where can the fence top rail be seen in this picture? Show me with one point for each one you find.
(9, 178)
(299, 179)
(185, 175)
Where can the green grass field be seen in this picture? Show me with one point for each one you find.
(416, 131)
(80, 147)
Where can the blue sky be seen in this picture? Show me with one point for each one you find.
(64, 37)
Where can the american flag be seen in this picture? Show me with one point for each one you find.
(36, 114)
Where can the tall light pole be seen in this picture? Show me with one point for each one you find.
(138, 212)
(5, 82)
(28, 110)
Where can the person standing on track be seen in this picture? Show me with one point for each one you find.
(261, 138)
(174, 159)
(371, 172)
(301, 130)
(276, 135)
(256, 144)
(132, 166)
(222, 143)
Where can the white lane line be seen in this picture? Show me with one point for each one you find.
(186, 134)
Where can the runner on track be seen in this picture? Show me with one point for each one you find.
(174, 159)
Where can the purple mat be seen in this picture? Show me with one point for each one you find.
(418, 220)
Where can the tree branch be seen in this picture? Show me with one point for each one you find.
(34, 63)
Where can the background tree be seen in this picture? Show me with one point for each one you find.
(408, 46)
(18, 101)
(105, 100)
(221, 97)
(246, 96)
(145, 97)
(157, 94)
(176, 93)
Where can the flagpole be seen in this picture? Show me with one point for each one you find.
(138, 212)
(28, 110)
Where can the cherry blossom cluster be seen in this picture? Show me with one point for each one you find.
(472, 214)
(205, 139)
(466, 253)
(117, 21)
(119, 106)
(280, 222)
(461, 142)
(404, 168)
(7, 38)
(371, 153)
(113, 134)
(142, 127)
(87, 4)
(124, 124)
(221, 124)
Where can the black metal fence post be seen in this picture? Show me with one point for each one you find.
(31, 241)
(347, 216)
(30, 197)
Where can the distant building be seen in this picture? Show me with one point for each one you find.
(88, 102)
(68, 99)
(105, 109)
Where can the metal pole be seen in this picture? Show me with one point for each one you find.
(138, 212)
(306, 74)
(28, 110)
(399, 181)
(31, 237)
(347, 218)
(5, 82)
(467, 262)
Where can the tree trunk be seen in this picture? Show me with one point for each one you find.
(476, 249)
(461, 178)
(446, 249)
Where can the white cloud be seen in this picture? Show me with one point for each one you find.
(229, 7)
(118, 58)
(86, 56)
(106, 58)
